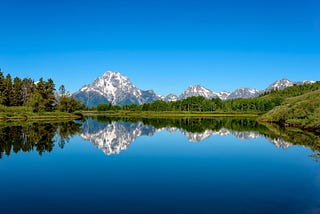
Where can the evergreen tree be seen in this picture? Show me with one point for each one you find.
(69, 104)
(50, 99)
(2, 87)
(62, 90)
(36, 102)
(7, 92)
(17, 92)
(46, 91)
(27, 88)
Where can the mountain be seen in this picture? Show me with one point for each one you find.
(197, 90)
(244, 93)
(280, 84)
(223, 95)
(116, 89)
(170, 97)
(113, 88)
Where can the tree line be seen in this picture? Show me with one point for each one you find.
(40, 96)
(201, 104)
(261, 104)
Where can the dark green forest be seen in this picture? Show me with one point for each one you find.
(39, 96)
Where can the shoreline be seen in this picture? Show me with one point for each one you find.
(40, 118)
(149, 114)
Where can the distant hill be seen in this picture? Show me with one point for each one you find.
(301, 111)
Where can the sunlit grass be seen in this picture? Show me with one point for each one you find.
(26, 113)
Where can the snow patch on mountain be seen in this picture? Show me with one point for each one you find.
(244, 93)
(280, 84)
(223, 95)
(170, 97)
(197, 90)
(115, 89)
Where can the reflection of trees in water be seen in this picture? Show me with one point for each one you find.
(296, 136)
(194, 124)
(293, 135)
(200, 125)
(36, 136)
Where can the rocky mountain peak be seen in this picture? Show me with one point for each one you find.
(113, 88)
(197, 90)
(244, 93)
(170, 97)
(280, 84)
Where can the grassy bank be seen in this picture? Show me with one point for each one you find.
(301, 111)
(25, 113)
(164, 114)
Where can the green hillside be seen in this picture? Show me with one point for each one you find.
(301, 111)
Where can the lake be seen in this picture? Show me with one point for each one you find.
(182, 165)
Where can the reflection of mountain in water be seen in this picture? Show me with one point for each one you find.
(115, 136)
(244, 135)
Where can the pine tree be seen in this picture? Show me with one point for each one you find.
(7, 93)
(46, 90)
(2, 87)
(36, 102)
(62, 90)
(49, 95)
(27, 88)
(17, 92)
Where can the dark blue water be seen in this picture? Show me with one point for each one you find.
(122, 167)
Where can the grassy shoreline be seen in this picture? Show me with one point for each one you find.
(24, 113)
(39, 117)
(152, 114)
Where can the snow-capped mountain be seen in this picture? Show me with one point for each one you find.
(244, 93)
(113, 88)
(170, 97)
(280, 84)
(305, 82)
(116, 89)
(223, 95)
(197, 90)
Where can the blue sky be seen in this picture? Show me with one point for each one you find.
(162, 45)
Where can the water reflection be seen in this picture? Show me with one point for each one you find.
(113, 135)
(40, 136)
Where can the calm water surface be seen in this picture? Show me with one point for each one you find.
(194, 165)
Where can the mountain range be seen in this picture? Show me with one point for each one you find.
(116, 89)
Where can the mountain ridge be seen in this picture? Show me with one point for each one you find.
(116, 89)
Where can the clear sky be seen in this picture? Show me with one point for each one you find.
(164, 45)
